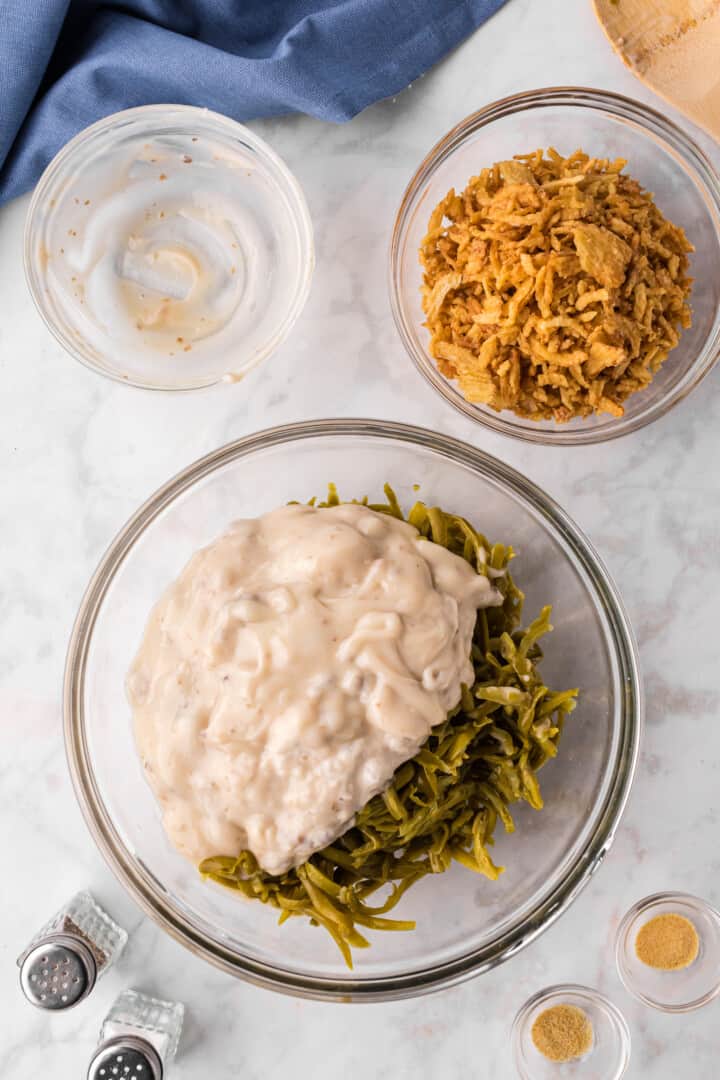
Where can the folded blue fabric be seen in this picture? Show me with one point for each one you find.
(67, 63)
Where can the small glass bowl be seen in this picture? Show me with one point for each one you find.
(253, 263)
(609, 1055)
(661, 156)
(671, 991)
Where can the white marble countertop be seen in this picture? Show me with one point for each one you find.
(79, 454)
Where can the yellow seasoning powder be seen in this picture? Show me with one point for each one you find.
(562, 1032)
(668, 942)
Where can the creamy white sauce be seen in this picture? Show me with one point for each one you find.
(292, 667)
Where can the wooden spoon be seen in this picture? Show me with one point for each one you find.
(674, 47)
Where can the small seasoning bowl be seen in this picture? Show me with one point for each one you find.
(678, 990)
(609, 1054)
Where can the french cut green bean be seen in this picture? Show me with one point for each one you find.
(443, 805)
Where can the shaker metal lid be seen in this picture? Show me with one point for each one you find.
(125, 1057)
(58, 972)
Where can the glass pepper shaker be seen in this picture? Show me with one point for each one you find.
(138, 1039)
(65, 958)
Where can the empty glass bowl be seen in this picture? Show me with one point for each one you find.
(607, 1058)
(169, 247)
(661, 156)
(465, 924)
(679, 990)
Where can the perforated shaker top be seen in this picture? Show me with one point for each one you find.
(125, 1057)
(58, 972)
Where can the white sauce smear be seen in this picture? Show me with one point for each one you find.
(173, 251)
(292, 667)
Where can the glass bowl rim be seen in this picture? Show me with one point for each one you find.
(577, 990)
(283, 178)
(621, 107)
(642, 907)
(419, 981)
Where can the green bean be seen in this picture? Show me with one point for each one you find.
(444, 804)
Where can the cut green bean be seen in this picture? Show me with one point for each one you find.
(442, 805)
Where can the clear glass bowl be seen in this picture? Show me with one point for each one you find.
(175, 166)
(671, 991)
(662, 157)
(465, 923)
(609, 1055)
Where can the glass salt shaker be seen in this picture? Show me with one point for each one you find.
(76, 947)
(138, 1039)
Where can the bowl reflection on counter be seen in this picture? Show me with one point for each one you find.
(466, 924)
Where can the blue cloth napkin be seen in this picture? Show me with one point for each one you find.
(67, 63)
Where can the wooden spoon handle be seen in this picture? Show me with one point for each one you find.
(674, 47)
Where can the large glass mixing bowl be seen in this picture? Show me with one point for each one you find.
(465, 924)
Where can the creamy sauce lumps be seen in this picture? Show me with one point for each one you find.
(292, 667)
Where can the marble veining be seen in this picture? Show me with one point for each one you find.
(80, 453)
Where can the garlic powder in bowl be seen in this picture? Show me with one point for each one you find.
(169, 247)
